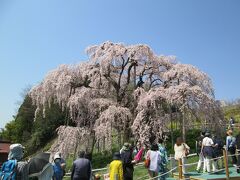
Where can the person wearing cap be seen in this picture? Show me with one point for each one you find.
(16, 151)
(116, 167)
(208, 153)
(58, 171)
(231, 146)
(125, 147)
(62, 162)
(127, 160)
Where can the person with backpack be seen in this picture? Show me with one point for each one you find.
(116, 167)
(127, 160)
(199, 152)
(15, 168)
(164, 158)
(231, 146)
(58, 171)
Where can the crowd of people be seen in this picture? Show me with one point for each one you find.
(209, 148)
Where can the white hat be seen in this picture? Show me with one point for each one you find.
(56, 156)
(16, 146)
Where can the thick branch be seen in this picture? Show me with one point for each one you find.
(151, 84)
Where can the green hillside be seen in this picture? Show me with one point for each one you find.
(232, 111)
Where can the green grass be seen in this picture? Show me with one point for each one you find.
(232, 111)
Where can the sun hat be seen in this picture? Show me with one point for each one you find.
(56, 156)
(126, 146)
(116, 156)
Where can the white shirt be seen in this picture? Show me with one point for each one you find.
(180, 150)
(207, 141)
(155, 159)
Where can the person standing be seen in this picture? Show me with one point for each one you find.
(155, 159)
(231, 123)
(81, 169)
(62, 162)
(199, 152)
(218, 150)
(164, 158)
(127, 160)
(58, 171)
(15, 167)
(231, 146)
(181, 150)
(238, 150)
(208, 153)
(116, 167)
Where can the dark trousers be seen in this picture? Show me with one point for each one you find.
(232, 151)
(238, 160)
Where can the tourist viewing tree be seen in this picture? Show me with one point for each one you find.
(127, 92)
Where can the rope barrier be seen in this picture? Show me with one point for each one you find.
(163, 174)
(218, 170)
(230, 155)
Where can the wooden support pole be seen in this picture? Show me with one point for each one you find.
(180, 168)
(172, 163)
(226, 163)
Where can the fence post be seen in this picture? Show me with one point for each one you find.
(226, 163)
(172, 163)
(180, 168)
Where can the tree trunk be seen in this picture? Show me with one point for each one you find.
(134, 76)
(98, 147)
(93, 143)
(171, 129)
(75, 150)
(119, 140)
(126, 135)
(183, 127)
(104, 143)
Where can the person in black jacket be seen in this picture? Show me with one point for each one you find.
(218, 149)
(127, 160)
(199, 152)
(81, 169)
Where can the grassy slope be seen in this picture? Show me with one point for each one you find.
(232, 110)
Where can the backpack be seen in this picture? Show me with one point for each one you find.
(22, 170)
(9, 170)
(232, 142)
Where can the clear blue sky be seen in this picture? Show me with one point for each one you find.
(37, 36)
